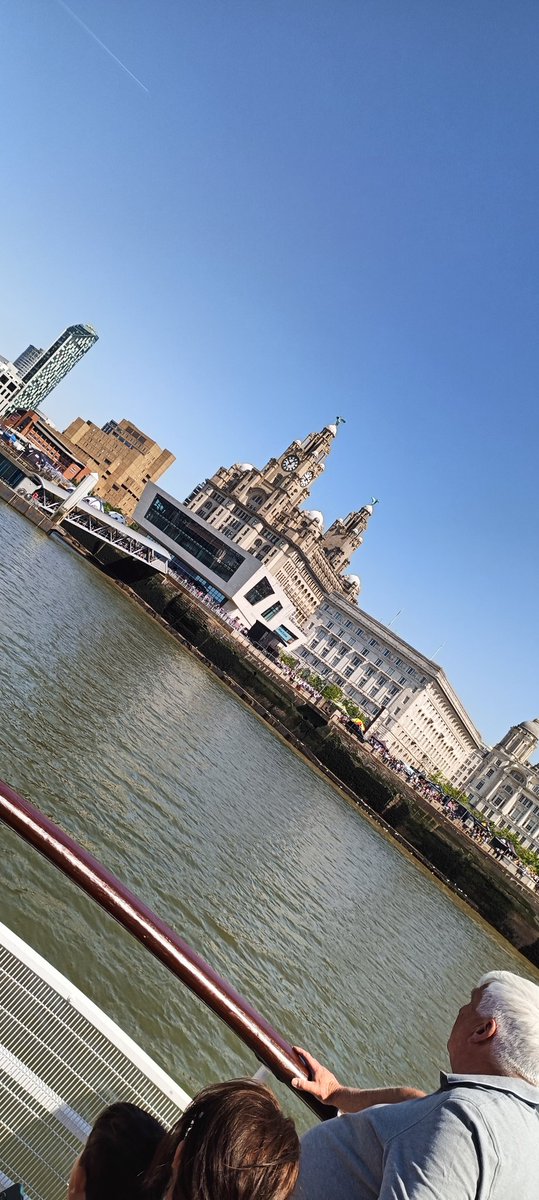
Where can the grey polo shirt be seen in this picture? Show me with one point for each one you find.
(477, 1138)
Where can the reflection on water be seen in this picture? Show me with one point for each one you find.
(114, 731)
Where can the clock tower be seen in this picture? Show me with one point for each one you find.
(286, 481)
(261, 510)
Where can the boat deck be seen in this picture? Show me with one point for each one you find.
(62, 1060)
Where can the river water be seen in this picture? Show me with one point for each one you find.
(342, 941)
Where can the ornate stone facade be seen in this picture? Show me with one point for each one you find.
(408, 699)
(260, 511)
(505, 785)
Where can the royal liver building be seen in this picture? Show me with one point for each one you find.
(260, 511)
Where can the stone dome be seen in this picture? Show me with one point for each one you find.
(314, 515)
(353, 579)
(368, 508)
(532, 726)
(245, 467)
(332, 429)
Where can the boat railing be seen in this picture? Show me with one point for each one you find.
(266, 1043)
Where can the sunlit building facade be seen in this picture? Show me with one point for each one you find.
(10, 386)
(124, 457)
(504, 784)
(406, 697)
(260, 511)
(52, 365)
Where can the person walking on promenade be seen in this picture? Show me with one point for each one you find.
(476, 1138)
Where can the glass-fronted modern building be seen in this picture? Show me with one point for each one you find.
(234, 579)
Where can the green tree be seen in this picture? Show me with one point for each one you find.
(450, 790)
(288, 660)
(353, 710)
(331, 692)
(529, 857)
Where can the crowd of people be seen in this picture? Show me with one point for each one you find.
(474, 1138)
(478, 829)
(208, 600)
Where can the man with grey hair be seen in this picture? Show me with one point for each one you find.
(476, 1138)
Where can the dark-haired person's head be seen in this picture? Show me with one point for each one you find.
(119, 1150)
(232, 1143)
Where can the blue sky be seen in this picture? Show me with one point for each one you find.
(315, 208)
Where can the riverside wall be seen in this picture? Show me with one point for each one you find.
(418, 826)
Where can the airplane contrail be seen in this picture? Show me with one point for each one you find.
(93, 35)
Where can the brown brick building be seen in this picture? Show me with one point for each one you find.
(124, 458)
(50, 442)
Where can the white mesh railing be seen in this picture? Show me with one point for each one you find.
(61, 1061)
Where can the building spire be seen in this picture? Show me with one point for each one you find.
(346, 535)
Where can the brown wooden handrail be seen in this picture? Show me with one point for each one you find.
(175, 954)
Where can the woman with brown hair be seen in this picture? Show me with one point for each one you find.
(119, 1150)
(233, 1142)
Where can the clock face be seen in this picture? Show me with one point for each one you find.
(291, 462)
(306, 478)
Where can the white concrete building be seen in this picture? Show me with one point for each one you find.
(10, 385)
(234, 579)
(407, 697)
(505, 785)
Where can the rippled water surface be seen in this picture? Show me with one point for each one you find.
(114, 731)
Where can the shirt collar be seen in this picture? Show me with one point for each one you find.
(499, 1083)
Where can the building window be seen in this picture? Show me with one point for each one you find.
(480, 785)
(260, 591)
(272, 611)
(195, 540)
(373, 642)
(349, 671)
(285, 634)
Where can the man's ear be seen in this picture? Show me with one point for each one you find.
(77, 1182)
(484, 1031)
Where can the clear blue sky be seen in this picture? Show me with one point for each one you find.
(317, 207)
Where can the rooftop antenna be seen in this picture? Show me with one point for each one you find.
(438, 648)
(397, 614)
(340, 421)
